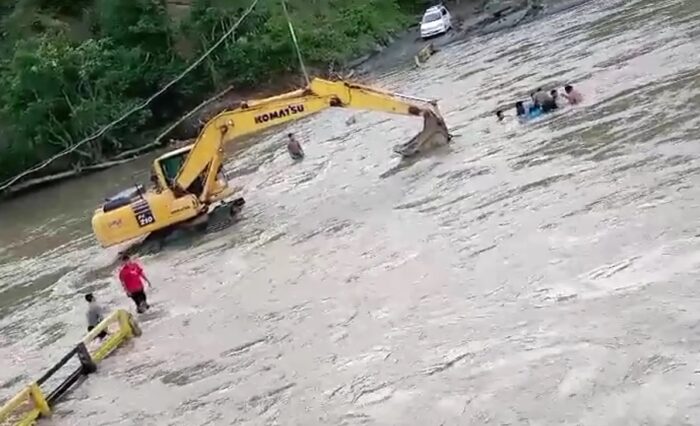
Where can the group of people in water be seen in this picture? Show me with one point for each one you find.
(542, 102)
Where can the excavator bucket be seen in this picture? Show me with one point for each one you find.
(434, 134)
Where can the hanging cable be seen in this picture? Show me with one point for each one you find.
(296, 43)
(126, 115)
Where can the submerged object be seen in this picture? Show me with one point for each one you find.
(424, 54)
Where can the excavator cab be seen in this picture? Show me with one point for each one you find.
(169, 165)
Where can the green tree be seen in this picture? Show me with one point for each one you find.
(135, 23)
(57, 93)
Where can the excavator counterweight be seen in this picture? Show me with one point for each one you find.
(189, 184)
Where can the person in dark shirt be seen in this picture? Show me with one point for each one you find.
(541, 97)
(294, 148)
(557, 99)
(94, 315)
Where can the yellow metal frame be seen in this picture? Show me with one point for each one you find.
(127, 329)
(33, 393)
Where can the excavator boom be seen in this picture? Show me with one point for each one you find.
(251, 117)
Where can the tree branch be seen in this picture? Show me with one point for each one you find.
(31, 183)
(158, 140)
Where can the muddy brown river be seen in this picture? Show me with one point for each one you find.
(531, 274)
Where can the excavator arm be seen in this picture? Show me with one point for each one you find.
(206, 156)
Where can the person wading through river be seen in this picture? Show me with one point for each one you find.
(132, 276)
(294, 148)
(500, 116)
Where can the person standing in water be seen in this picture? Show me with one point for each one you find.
(294, 147)
(94, 315)
(572, 95)
(526, 113)
(131, 276)
(500, 116)
(542, 98)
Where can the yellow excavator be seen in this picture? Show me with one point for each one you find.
(189, 185)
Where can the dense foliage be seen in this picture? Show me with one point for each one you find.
(70, 66)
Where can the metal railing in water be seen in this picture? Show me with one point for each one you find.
(32, 402)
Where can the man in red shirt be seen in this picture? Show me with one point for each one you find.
(131, 276)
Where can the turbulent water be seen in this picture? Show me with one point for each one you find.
(530, 274)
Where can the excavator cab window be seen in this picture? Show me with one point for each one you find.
(171, 166)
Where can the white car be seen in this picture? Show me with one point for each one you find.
(436, 20)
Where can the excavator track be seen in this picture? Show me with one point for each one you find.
(224, 215)
(220, 218)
